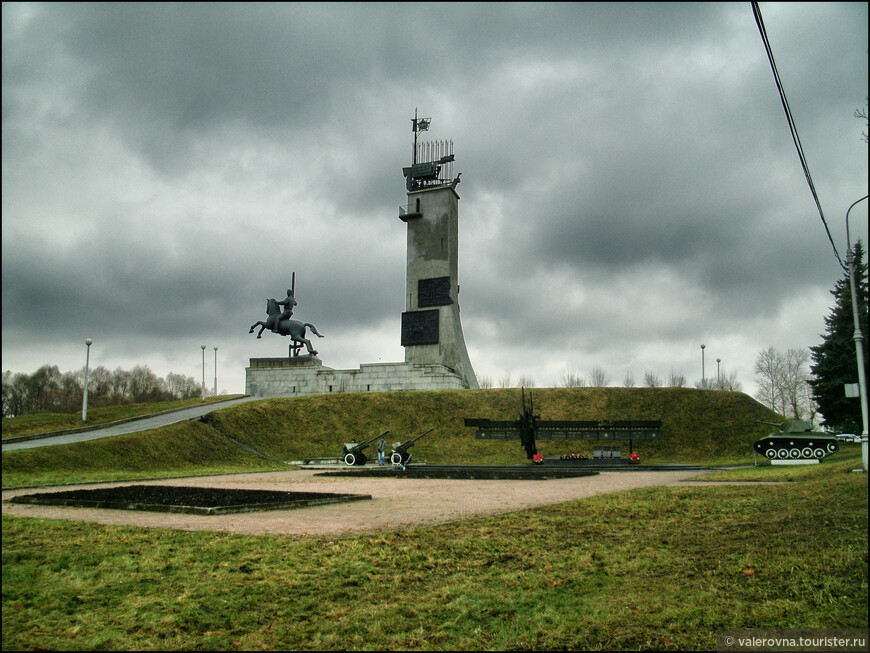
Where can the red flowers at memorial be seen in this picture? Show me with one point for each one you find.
(538, 459)
(634, 458)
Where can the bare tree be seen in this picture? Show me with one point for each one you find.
(505, 380)
(14, 394)
(70, 391)
(782, 381)
(676, 379)
(484, 382)
(99, 383)
(145, 386)
(651, 379)
(862, 114)
(598, 379)
(768, 369)
(526, 381)
(573, 380)
(121, 382)
(728, 381)
(182, 387)
(628, 380)
(795, 373)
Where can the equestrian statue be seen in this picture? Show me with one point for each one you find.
(279, 322)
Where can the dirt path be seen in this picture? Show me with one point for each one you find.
(395, 504)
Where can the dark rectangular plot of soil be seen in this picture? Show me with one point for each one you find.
(195, 500)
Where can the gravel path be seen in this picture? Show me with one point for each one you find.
(395, 504)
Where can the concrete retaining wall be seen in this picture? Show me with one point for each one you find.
(282, 377)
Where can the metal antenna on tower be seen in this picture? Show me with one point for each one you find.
(419, 125)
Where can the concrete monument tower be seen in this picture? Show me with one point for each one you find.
(431, 328)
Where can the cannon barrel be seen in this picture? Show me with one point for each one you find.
(362, 445)
(353, 451)
(400, 455)
(407, 443)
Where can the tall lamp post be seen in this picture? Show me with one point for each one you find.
(859, 339)
(203, 372)
(718, 378)
(215, 371)
(703, 376)
(88, 342)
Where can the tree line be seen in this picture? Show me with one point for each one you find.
(599, 379)
(48, 390)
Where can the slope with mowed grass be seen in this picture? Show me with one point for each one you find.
(697, 427)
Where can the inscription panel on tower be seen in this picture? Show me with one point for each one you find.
(420, 328)
(433, 292)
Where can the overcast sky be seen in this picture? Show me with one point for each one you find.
(629, 190)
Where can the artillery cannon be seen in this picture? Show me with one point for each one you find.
(353, 451)
(400, 455)
(795, 442)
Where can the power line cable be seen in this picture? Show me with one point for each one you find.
(792, 127)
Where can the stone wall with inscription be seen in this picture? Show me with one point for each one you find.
(279, 377)
(431, 325)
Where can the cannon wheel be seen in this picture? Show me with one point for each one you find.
(350, 459)
(396, 458)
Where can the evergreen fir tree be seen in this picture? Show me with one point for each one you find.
(835, 362)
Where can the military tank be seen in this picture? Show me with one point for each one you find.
(795, 440)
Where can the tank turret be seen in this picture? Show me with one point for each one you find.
(795, 441)
(791, 426)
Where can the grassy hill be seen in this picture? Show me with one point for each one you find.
(697, 427)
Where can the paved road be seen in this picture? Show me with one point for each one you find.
(142, 424)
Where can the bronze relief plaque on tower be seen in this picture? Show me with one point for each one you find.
(420, 328)
(433, 292)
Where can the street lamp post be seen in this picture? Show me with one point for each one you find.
(859, 339)
(88, 342)
(718, 378)
(703, 376)
(215, 371)
(203, 372)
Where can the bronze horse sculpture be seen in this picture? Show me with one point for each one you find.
(293, 328)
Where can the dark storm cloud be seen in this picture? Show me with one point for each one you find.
(629, 184)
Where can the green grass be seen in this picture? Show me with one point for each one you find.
(849, 457)
(184, 448)
(658, 568)
(713, 428)
(48, 422)
(655, 568)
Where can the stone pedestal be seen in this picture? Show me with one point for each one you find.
(285, 377)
